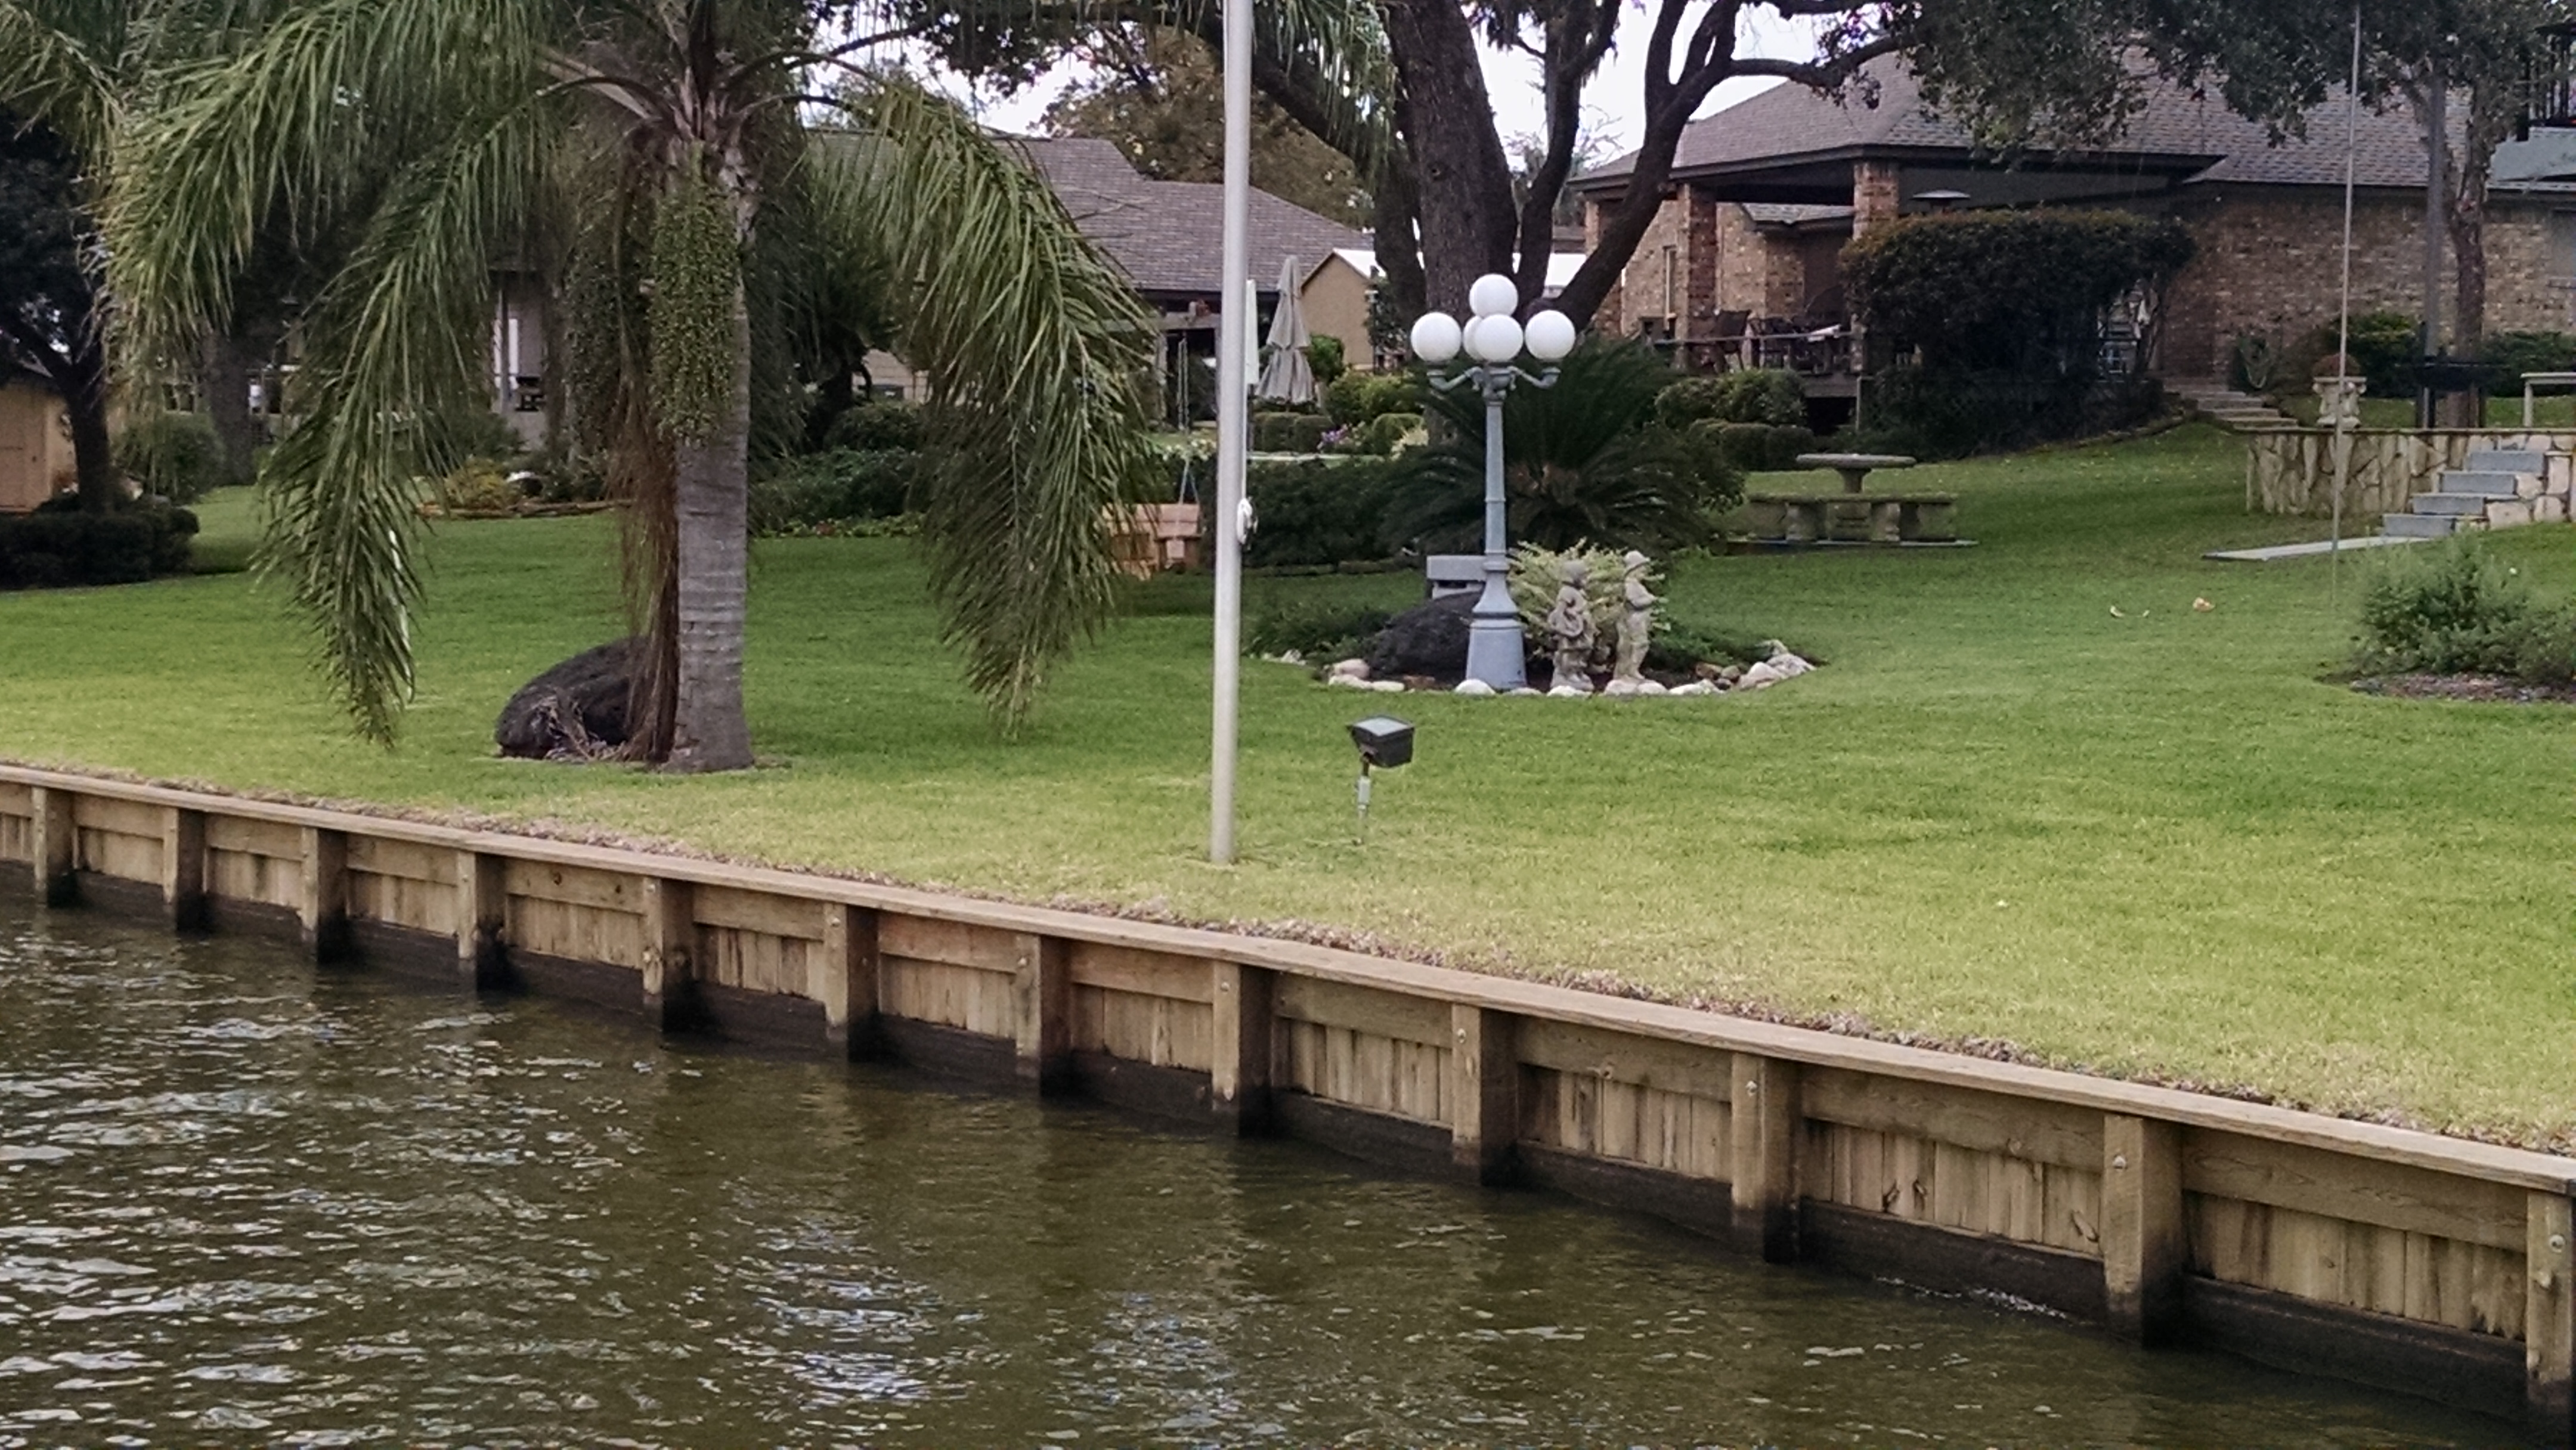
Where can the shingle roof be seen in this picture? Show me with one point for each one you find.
(1791, 213)
(2177, 126)
(1169, 235)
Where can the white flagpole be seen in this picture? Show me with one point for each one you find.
(1233, 417)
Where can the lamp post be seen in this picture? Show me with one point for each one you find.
(1494, 339)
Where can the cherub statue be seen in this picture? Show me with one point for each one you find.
(1569, 624)
(1637, 625)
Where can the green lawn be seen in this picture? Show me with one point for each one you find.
(2152, 845)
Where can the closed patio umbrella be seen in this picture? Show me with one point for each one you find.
(1286, 378)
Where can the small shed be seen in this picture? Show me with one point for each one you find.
(35, 441)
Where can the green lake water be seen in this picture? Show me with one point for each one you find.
(245, 1203)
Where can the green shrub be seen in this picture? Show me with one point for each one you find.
(1276, 432)
(1745, 395)
(1379, 437)
(1932, 413)
(1315, 512)
(60, 546)
(1680, 647)
(882, 425)
(1314, 630)
(1757, 447)
(475, 433)
(2453, 609)
(1324, 358)
(837, 487)
(2508, 355)
(2020, 292)
(2383, 347)
(1355, 398)
(175, 455)
(479, 485)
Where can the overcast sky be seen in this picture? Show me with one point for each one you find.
(1614, 102)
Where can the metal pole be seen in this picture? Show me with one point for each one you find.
(2436, 133)
(1494, 647)
(1233, 408)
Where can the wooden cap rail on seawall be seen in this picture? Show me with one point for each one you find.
(2166, 1214)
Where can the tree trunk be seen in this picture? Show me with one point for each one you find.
(83, 382)
(711, 483)
(225, 365)
(1462, 182)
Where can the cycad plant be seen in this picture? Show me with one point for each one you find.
(659, 152)
(1584, 460)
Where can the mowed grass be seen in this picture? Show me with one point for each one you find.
(2154, 845)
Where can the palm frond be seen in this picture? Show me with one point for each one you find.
(1033, 347)
(50, 73)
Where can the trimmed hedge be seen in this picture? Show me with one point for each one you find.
(1358, 397)
(175, 455)
(835, 487)
(1757, 447)
(1282, 432)
(61, 547)
(1315, 512)
(2006, 291)
(1744, 395)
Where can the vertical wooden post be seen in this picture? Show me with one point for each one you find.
(847, 979)
(57, 847)
(482, 920)
(1764, 1125)
(1042, 1011)
(1484, 1091)
(2549, 1320)
(1239, 1068)
(670, 942)
(183, 868)
(2143, 1233)
(323, 910)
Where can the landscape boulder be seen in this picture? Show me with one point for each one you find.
(1428, 639)
(575, 711)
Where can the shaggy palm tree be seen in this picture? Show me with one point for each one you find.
(661, 144)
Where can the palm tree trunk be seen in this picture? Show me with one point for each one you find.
(224, 366)
(711, 483)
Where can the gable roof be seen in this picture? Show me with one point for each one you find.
(1168, 236)
(2190, 135)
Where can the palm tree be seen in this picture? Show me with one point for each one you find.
(662, 145)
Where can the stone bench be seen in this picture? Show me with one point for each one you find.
(1861, 518)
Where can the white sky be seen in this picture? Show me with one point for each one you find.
(1613, 103)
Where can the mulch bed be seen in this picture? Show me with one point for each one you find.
(2498, 688)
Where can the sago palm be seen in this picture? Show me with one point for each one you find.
(658, 148)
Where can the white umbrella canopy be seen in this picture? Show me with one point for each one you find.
(1286, 377)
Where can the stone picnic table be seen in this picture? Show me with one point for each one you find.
(1854, 515)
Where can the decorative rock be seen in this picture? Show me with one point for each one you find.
(1347, 682)
(575, 711)
(1384, 687)
(1479, 687)
(1529, 690)
(1760, 677)
(1568, 692)
(1695, 687)
(1788, 665)
(1620, 689)
(1428, 639)
(1352, 669)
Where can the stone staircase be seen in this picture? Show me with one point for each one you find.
(2215, 400)
(2500, 489)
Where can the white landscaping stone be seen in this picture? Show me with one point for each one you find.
(2549, 509)
(1350, 669)
(1347, 682)
(1530, 690)
(1384, 687)
(1789, 665)
(1619, 689)
(1761, 675)
(1695, 687)
(1568, 692)
(1656, 687)
(1479, 687)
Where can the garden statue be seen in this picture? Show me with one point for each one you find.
(1569, 624)
(1637, 624)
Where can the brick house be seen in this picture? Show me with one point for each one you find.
(1765, 193)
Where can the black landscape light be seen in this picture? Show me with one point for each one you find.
(1384, 743)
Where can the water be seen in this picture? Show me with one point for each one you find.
(243, 1204)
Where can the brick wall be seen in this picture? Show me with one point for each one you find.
(2268, 264)
(1720, 263)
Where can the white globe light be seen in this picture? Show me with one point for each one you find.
(1493, 295)
(1435, 337)
(1551, 335)
(1496, 340)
